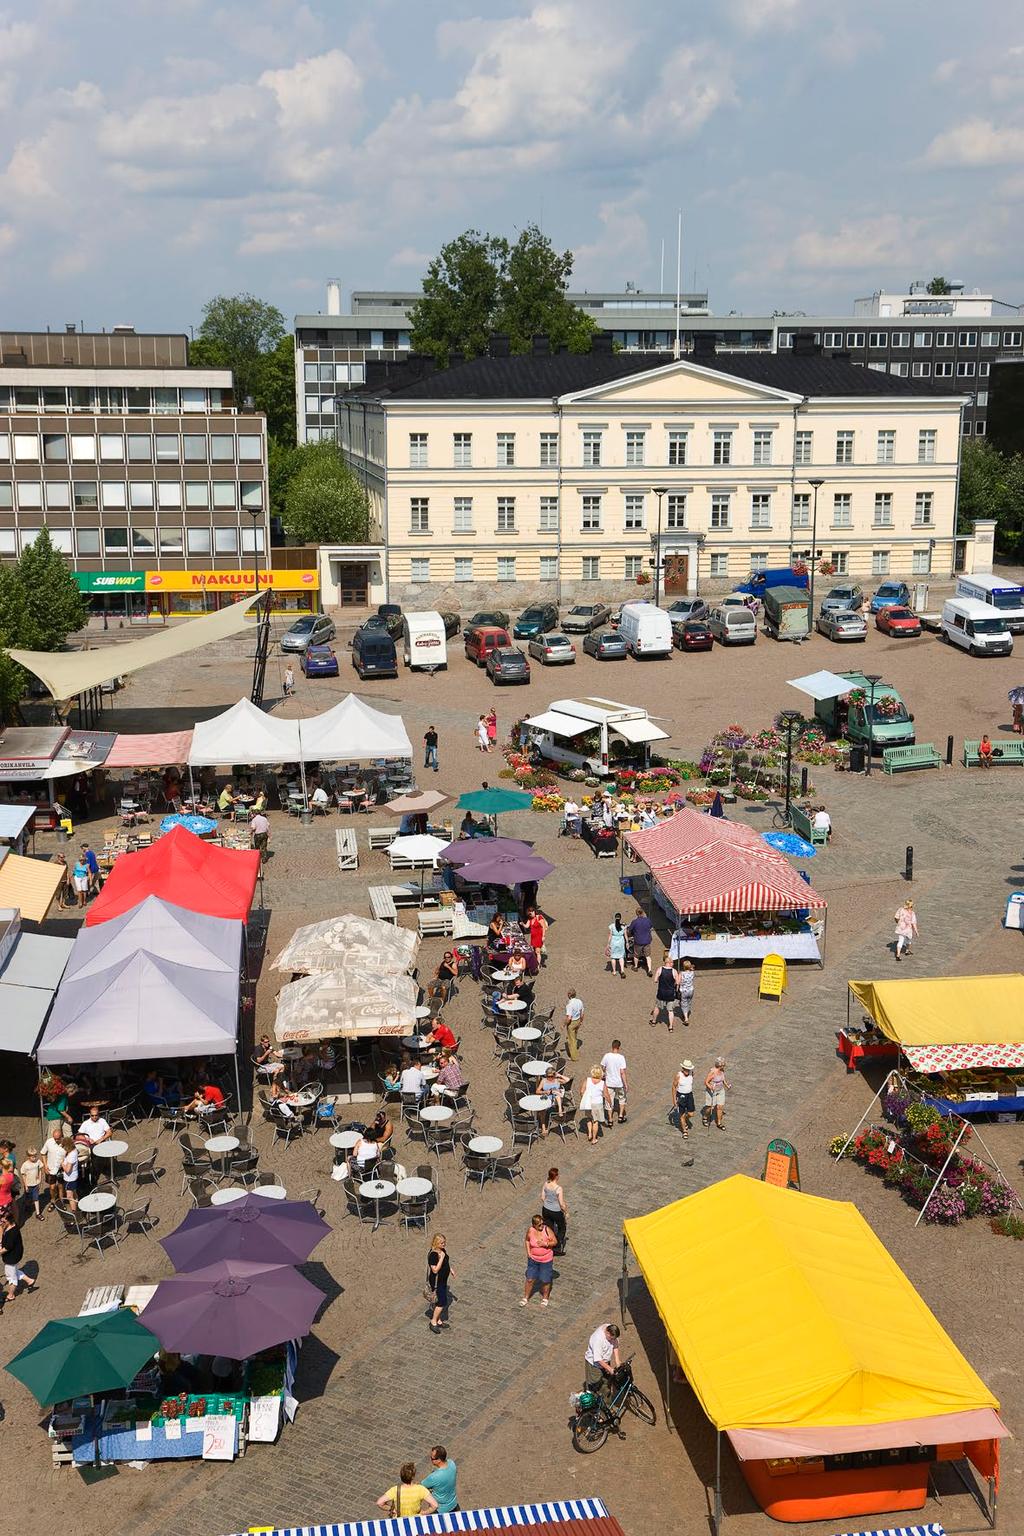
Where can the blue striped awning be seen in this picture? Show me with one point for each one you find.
(933, 1528)
(499, 1519)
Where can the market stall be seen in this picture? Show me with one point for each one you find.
(31, 966)
(837, 1398)
(184, 871)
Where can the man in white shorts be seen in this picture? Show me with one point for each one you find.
(616, 1080)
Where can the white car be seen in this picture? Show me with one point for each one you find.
(552, 650)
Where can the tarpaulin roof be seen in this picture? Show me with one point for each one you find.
(945, 1010)
(931, 1429)
(708, 864)
(348, 940)
(14, 819)
(30, 885)
(164, 931)
(576, 1517)
(353, 731)
(28, 980)
(785, 1310)
(244, 734)
(155, 751)
(958, 1058)
(67, 673)
(822, 685)
(183, 870)
(345, 1004)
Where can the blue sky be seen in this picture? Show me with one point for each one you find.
(156, 152)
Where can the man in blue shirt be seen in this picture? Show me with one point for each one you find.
(92, 864)
(441, 1480)
(641, 931)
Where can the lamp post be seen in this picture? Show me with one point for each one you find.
(262, 617)
(817, 484)
(872, 679)
(659, 491)
(789, 719)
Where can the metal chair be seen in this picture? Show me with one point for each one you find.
(138, 1217)
(201, 1191)
(73, 1224)
(266, 1176)
(414, 1211)
(287, 1128)
(145, 1167)
(508, 1167)
(440, 1138)
(475, 1165)
(101, 1227)
(524, 1128)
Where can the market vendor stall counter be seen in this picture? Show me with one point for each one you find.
(855, 1048)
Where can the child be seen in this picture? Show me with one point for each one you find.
(31, 1172)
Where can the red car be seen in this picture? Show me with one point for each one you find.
(693, 635)
(897, 621)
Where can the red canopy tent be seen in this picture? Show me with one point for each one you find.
(182, 869)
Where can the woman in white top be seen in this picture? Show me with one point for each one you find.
(482, 741)
(682, 1096)
(365, 1152)
(595, 1103)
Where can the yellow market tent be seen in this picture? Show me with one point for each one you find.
(785, 1309)
(30, 885)
(946, 1010)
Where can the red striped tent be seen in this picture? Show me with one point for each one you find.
(703, 864)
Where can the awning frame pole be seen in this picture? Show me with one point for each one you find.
(942, 1171)
(624, 1283)
(884, 1089)
(718, 1482)
(238, 1082)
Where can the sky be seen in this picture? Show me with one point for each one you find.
(154, 153)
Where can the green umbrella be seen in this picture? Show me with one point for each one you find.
(75, 1356)
(491, 802)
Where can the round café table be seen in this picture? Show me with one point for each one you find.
(222, 1147)
(512, 1005)
(112, 1149)
(415, 1043)
(487, 1146)
(436, 1112)
(377, 1190)
(343, 1141)
(535, 1103)
(536, 1068)
(526, 1032)
(421, 1011)
(268, 1191)
(99, 1200)
(504, 975)
(414, 1188)
(226, 1196)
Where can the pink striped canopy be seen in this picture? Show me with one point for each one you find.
(164, 750)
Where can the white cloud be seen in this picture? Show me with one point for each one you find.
(977, 142)
(622, 246)
(18, 39)
(871, 243)
(766, 15)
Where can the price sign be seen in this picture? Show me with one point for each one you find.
(780, 1165)
(773, 980)
(219, 1437)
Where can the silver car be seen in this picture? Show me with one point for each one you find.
(686, 608)
(552, 650)
(847, 598)
(586, 617)
(311, 629)
(841, 626)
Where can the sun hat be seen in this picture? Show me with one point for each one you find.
(686, 1066)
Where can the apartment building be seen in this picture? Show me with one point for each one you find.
(148, 477)
(566, 477)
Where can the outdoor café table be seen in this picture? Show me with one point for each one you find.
(226, 1196)
(512, 1005)
(416, 1043)
(526, 1032)
(504, 975)
(268, 1191)
(421, 1011)
(221, 1146)
(414, 1189)
(111, 1149)
(535, 1103)
(430, 1073)
(436, 1112)
(377, 1190)
(344, 1141)
(536, 1068)
(487, 1146)
(98, 1201)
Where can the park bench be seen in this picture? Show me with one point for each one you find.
(348, 851)
(1004, 750)
(380, 837)
(382, 904)
(923, 755)
(438, 924)
(801, 822)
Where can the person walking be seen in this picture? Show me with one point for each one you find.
(430, 739)
(439, 1269)
(574, 1012)
(682, 1097)
(440, 1482)
(260, 829)
(641, 932)
(482, 740)
(552, 1200)
(906, 928)
(616, 1080)
(407, 1497)
(31, 1172)
(666, 996)
(595, 1103)
(92, 864)
(540, 1243)
(492, 728)
(289, 681)
(12, 1251)
(715, 1085)
(52, 1152)
(1018, 718)
(69, 1170)
(616, 950)
(537, 931)
(80, 881)
(686, 979)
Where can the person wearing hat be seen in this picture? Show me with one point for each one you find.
(682, 1096)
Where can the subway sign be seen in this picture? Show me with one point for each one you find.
(110, 581)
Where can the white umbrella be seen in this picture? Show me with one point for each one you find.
(348, 940)
(419, 847)
(417, 801)
(345, 1004)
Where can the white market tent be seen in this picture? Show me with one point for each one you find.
(164, 931)
(244, 734)
(13, 821)
(353, 732)
(350, 732)
(345, 1004)
(32, 967)
(821, 685)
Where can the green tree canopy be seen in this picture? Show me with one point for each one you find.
(324, 502)
(237, 332)
(992, 485)
(54, 604)
(275, 390)
(939, 285)
(479, 284)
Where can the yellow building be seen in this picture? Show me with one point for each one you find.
(564, 477)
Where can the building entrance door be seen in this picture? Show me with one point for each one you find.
(353, 585)
(677, 575)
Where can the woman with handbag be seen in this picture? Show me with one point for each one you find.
(666, 997)
(439, 1268)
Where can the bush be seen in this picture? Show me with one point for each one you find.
(1008, 1226)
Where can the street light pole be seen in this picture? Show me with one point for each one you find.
(790, 718)
(660, 492)
(817, 484)
(872, 679)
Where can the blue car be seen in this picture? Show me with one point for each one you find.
(319, 661)
(891, 594)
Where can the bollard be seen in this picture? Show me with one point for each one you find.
(908, 873)
(949, 751)
(803, 781)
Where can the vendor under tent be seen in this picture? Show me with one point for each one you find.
(348, 940)
(184, 871)
(31, 885)
(160, 750)
(31, 966)
(349, 1003)
(808, 1346)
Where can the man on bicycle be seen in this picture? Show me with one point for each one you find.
(602, 1358)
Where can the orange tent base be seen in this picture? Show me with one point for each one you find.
(854, 1491)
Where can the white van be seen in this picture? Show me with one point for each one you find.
(647, 630)
(423, 640)
(732, 624)
(1000, 596)
(975, 627)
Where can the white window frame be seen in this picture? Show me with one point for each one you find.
(462, 450)
(675, 511)
(842, 509)
(590, 568)
(721, 510)
(462, 514)
(921, 562)
(801, 509)
(505, 514)
(418, 450)
(591, 514)
(591, 441)
(506, 450)
(632, 565)
(721, 446)
(677, 446)
(549, 567)
(924, 509)
(506, 568)
(760, 510)
(840, 558)
(879, 562)
(636, 446)
(548, 514)
(803, 447)
(463, 567)
(927, 441)
(885, 446)
(719, 565)
(549, 450)
(762, 446)
(634, 514)
(882, 515)
(419, 514)
(844, 446)
(419, 569)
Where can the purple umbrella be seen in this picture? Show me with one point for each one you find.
(468, 850)
(232, 1308)
(507, 869)
(262, 1231)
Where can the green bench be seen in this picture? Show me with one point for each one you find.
(801, 824)
(923, 755)
(1004, 750)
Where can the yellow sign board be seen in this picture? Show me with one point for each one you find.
(773, 977)
(237, 581)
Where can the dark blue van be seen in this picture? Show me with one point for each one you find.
(374, 653)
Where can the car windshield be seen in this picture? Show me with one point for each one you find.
(695, 628)
(889, 711)
(556, 640)
(301, 625)
(987, 627)
(531, 614)
(888, 590)
(583, 609)
(1012, 599)
(901, 613)
(849, 618)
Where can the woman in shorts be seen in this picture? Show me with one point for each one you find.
(541, 1243)
(595, 1103)
(666, 997)
(682, 1096)
(715, 1085)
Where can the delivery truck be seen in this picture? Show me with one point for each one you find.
(786, 613)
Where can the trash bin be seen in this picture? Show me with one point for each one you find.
(626, 884)
(306, 817)
(857, 757)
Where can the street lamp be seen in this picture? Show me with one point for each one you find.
(789, 718)
(817, 484)
(660, 491)
(872, 679)
(259, 665)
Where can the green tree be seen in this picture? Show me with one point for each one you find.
(324, 502)
(239, 331)
(284, 461)
(275, 390)
(479, 284)
(16, 625)
(983, 487)
(55, 606)
(938, 286)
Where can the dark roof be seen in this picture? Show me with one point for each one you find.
(539, 378)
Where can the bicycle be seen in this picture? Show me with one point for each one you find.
(596, 1417)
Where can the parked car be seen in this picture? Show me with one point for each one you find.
(390, 623)
(846, 598)
(733, 624)
(535, 620)
(311, 629)
(480, 642)
(898, 621)
(488, 618)
(835, 624)
(552, 650)
(507, 664)
(891, 594)
(585, 617)
(693, 635)
(452, 623)
(685, 608)
(319, 661)
(384, 609)
(606, 645)
(374, 653)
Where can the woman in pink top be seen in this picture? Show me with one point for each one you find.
(540, 1245)
(906, 928)
(6, 1183)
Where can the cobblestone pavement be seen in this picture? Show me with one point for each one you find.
(375, 1385)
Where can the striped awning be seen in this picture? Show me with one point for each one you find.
(590, 1511)
(931, 1529)
(725, 881)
